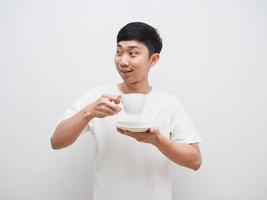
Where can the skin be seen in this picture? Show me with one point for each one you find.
(133, 64)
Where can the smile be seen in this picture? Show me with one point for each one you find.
(126, 71)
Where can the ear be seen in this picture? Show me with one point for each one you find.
(154, 59)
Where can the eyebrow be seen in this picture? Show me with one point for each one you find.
(129, 47)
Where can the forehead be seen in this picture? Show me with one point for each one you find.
(131, 44)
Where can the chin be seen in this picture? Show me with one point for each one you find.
(131, 82)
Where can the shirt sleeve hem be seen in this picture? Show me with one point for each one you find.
(188, 141)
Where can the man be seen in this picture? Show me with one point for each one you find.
(127, 168)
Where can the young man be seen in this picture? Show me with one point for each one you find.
(132, 165)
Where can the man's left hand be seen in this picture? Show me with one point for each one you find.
(150, 136)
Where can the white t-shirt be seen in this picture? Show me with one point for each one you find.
(128, 169)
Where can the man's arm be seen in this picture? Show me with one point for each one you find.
(187, 155)
(69, 130)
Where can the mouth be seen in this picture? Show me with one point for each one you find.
(126, 72)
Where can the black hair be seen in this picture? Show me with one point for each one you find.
(143, 33)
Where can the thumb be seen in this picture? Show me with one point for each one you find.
(153, 130)
(115, 98)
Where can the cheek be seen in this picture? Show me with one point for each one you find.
(138, 62)
(116, 61)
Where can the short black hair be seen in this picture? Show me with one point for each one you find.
(143, 33)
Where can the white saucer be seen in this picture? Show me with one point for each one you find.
(133, 126)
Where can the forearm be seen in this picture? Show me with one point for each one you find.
(69, 130)
(187, 155)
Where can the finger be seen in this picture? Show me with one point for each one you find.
(125, 132)
(120, 130)
(111, 105)
(137, 136)
(114, 98)
(153, 130)
(106, 110)
(117, 100)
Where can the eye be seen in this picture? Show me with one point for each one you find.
(118, 52)
(133, 53)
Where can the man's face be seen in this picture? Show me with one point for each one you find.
(132, 61)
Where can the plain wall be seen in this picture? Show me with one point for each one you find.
(213, 59)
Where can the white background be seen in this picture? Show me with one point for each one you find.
(214, 59)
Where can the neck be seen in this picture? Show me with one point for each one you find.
(135, 87)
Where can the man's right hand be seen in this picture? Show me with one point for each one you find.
(69, 130)
(106, 105)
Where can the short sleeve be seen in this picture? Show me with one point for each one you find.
(182, 128)
(78, 105)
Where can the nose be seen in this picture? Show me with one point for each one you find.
(124, 62)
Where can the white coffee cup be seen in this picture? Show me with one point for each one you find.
(133, 103)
